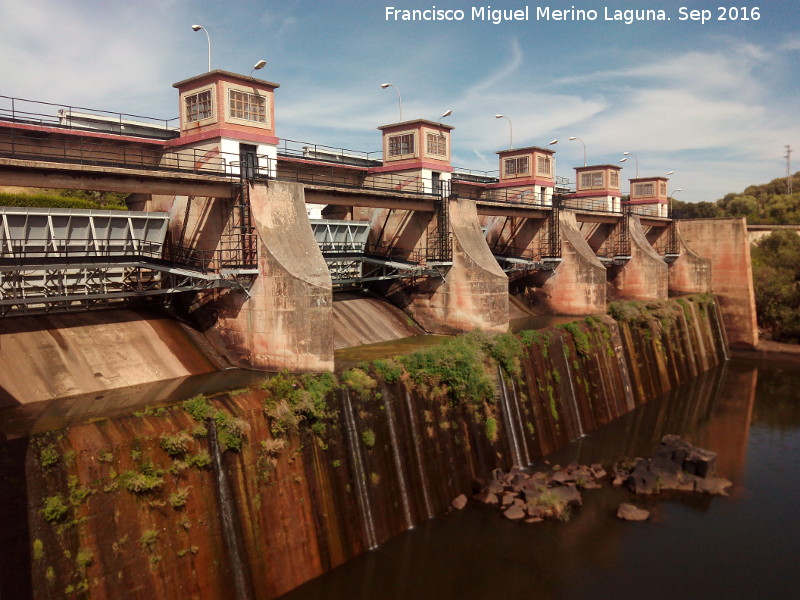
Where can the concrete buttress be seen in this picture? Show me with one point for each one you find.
(287, 320)
(473, 294)
(578, 284)
(690, 273)
(645, 276)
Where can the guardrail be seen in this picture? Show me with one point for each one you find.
(34, 112)
(90, 152)
(320, 152)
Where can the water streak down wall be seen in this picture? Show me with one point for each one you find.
(126, 508)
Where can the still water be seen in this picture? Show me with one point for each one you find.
(744, 546)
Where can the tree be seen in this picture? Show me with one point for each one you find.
(776, 278)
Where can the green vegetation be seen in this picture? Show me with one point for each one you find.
(38, 549)
(149, 539)
(491, 429)
(368, 437)
(582, 343)
(178, 499)
(359, 382)
(176, 444)
(292, 399)
(201, 460)
(767, 203)
(48, 456)
(458, 367)
(65, 199)
(84, 559)
(54, 511)
(148, 479)
(776, 277)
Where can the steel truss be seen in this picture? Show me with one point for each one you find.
(62, 288)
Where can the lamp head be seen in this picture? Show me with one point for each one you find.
(446, 113)
(499, 116)
(385, 85)
(573, 137)
(623, 160)
(260, 65)
(552, 142)
(196, 27)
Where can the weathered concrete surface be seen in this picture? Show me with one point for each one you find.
(474, 291)
(578, 284)
(365, 319)
(691, 273)
(286, 322)
(54, 356)
(725, 243)
(645, 276)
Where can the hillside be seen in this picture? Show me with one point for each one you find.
(767, 203)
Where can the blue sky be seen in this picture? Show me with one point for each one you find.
(716, 102)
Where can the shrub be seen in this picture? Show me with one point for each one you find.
(179, 498)
(176, 444)
(149, 539)
(201, 460)
(48, 456)
(359, 382)
(491, 429)
(368, 437)
(198, 407)
(54, 511)
(143, 482)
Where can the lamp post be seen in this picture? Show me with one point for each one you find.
(399, 97)
(510, 130)
(584, 147)
(626, 154)
(671, 197)
(208, 37)
(258, 66)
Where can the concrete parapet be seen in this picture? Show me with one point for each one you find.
(473, 294)
(690, 273)
(286, 320)
(725, 243)
(645, 276)
(578, 284)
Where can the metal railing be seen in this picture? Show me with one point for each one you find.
(91, 152)
(591, 205)
(368, 249)
(386, 182)
(33, 112)
(320, 152)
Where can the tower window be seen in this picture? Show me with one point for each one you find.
(437, 144)
(544, 165)
(249, 107)
(591, 180)
(198, 106)
(516, 166)
(643, 190)
(400, 145)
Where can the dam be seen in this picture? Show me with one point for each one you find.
(147, 453)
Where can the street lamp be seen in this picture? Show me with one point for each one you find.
(258, 66)
(399, 97)
(671, 197)
(510, 130)
(572, 138)
(634, 158)
(198, 28)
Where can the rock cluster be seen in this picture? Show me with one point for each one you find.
(532, 497)
(677, 465)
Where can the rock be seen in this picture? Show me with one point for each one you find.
(629, 512)
(459, 502)
(495, 487)
(498, 474)
(519, 480)
(598, 472)
(486, 498)
(568, 494)
(507, 499)
(534, 520)
(562, 477)
(514, 513)
(592, 485)
(716, 486)
(642, 480)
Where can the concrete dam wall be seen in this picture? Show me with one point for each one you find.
(252, 492)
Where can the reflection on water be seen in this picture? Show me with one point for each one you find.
(744, 546)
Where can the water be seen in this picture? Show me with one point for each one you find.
(743, 546)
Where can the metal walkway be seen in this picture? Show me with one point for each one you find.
(71, 259)
(353, 260)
